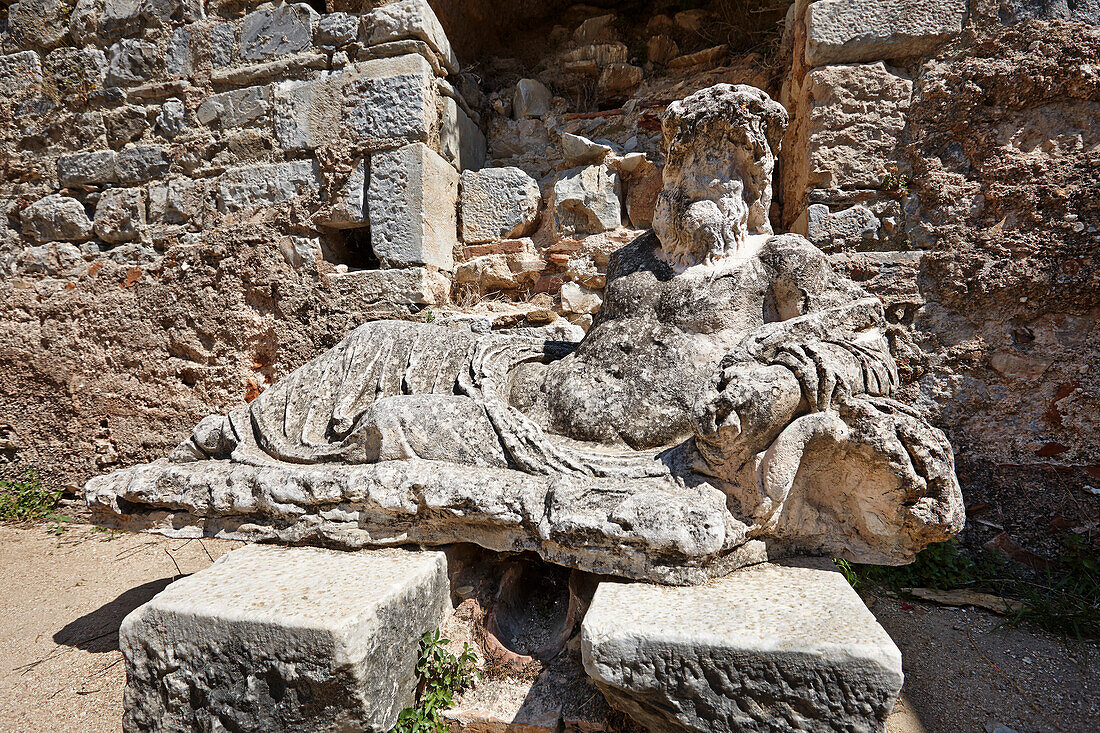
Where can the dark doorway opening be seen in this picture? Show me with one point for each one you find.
(351, 247)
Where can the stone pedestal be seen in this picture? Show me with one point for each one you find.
(768, 648)
(271, 638)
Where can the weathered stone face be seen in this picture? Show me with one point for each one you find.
(283, 638)
(717, 179)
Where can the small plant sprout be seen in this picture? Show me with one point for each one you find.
(442, 676)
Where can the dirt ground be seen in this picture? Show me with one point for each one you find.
(63, 596)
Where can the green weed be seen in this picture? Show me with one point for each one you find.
(1064, 601)
(25, 499)
(442, 676)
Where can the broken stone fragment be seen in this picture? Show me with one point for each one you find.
(39, 23)
(56, 218)
(661, 49)
(853, 228)
(279, 31)
(132, 61)
(349, 201)
(172, 119)
(20, 72)
(587, 201)
(580, 150)
(461, 141)
(498, 203)
(767, 648)
(846, 31)
(413, 203)
(531, 99)
(407, 19)
(618, 80)
(119, 214)
(272, 638)
(336, 29)
(579, 299)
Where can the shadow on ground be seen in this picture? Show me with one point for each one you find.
(98, 631)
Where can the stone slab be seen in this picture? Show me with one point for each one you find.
(278, 31)
(413, 204)
(272, 638)
(847, 31)
(498, 203)
(768, 648)
(637, 528)
(375, 104)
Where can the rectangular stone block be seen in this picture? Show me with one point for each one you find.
(141, 163)
(846, 31)
(237, 107)
(251, 188)
(133, 61)
(91, 168)
(277, 31)
(370, 103)
(20, 71)
(273, 638)
(413, 203)
(767, 648)
(855, 117)
(410, 19)
(411, 286)
(461, 141)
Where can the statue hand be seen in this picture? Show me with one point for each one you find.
(749, 405)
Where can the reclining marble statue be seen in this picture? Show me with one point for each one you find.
(731, 403)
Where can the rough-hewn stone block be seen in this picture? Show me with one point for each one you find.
(141, 163)
(236, 107)
(56, 218)
(119, 214)
(348, 208)
(272, 638)
(410, 19)
(846, 31)
(498, 203)
(461, 141)
(856, 116)
(371, 102)
(413, 200)
(765, 649)
(76, 70)
(587, 201)
(132, 61)
(278, 31)
(87, 168)
(18, 71)
(260, 186)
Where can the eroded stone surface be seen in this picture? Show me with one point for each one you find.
(498, 203)
(587, 201)
(272, 638)
(764, 649)
(410, 19)
(845, 31)
(55, 218)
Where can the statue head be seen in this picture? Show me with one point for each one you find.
(718, 173)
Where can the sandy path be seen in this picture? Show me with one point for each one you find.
(62, 599)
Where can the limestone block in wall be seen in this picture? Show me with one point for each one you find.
(1018, 11)
(409, 19)
(410, 286)
(20, 71)
(94, 168)
(846, 31)
(413, 202)
(460, 139)
(371, 102)
(133, 61)
(237, 107)
(103, 21)
(348, 209)
(855, 117)
(498, 203)
(39, 23)
(56, 218)
(76, 70)
(767, 648)
(251, 188)
(177, 61)
(125, 124)
(272, 638)
(119, 214)
(336, 29)
(172, 118)
(579, 299)
(141, 163)
(55, 258)
(277, 31)
(587, 201)
(223, 41)
(853, 228)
